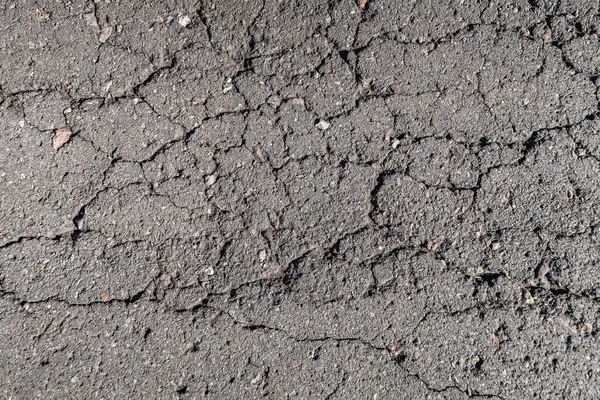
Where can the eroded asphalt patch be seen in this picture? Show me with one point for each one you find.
(236, 199)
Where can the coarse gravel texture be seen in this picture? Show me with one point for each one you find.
(299, 199)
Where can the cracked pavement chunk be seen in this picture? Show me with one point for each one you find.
(331, 199)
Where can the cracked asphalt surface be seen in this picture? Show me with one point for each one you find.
(299, 199)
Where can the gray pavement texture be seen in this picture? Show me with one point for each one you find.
(299, 199)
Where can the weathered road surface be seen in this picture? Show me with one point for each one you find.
(299, 199)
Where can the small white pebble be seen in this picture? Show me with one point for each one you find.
(323, 125)
(262, 255)
(184, 20)
(210, 180)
